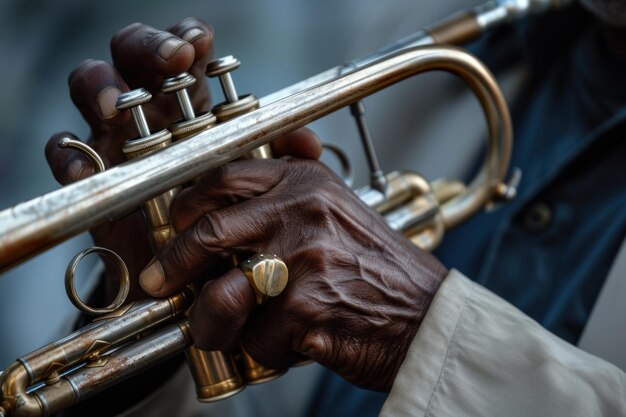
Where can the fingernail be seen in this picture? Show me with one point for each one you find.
(168, 48)
(75, 170)
(107, 97)
(193, 35)
(152, 277)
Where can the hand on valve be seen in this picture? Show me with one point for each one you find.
(357, 290)
(141, 57)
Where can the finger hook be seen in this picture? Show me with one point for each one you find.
(70, 287)
(86, 150)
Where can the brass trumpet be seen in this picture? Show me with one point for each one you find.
(140, 334)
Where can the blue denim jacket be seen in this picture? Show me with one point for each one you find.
(549, 251)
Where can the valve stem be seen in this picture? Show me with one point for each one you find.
(178, 85)
(221, 68)
(132, 101)
(378, 181)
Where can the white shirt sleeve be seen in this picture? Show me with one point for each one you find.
(477, 355)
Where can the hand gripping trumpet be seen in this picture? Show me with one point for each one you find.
(135, 336)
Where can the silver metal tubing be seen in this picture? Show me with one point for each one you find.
(377, 176)
(140, 121)
(40, 223)
(229, 87)
(185, 105)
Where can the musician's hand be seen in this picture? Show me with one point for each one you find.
(357, 290)
(141, 57)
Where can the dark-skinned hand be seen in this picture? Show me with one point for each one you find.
(357, 290)
(141, 57)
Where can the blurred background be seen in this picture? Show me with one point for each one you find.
(429, 124)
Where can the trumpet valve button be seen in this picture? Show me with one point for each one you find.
(222, 66)
(177, 83)
(132, 99)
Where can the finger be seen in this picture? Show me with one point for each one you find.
(224, 315)
(269, 337)
(197, 33)
(244, 227)
(200, 35)
(302, 143)
(94, 89)
(220, 311)
(229, 184)
(67, 165)
(145, 55)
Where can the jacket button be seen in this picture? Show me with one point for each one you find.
(537, 218)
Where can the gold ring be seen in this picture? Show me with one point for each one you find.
(267, 274)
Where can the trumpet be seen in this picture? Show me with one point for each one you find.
(138, 335)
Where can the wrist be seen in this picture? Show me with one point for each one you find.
(429, 276)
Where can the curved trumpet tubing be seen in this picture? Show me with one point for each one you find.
(38, 224)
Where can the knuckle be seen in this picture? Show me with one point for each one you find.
(312, 259)
(317, 345)
(317, 168)
(180, 210)
(193, 250)
(184, 259)
(228, 302)
(209, 229)
(176, 258)
(217, 183)
(309, 171)
(196, 247)
(321, 199)
(207, 226)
